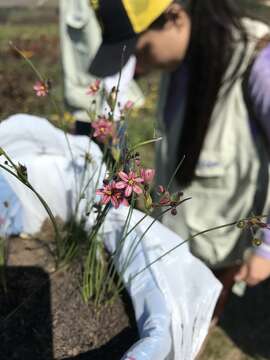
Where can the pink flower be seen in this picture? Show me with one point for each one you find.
(128, 105)
(165, 199)
(130, 182)
(110, 193)
(148, 175)
(103, 129)
(41, 88)
(93, 88)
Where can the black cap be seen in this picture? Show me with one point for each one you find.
(118, 38)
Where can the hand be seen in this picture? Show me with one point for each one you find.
(255, 270)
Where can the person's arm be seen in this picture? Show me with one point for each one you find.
(257, 268)
(259, 89)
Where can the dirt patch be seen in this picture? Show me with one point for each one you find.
(43, 316)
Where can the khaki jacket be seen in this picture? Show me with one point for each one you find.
(227, 176)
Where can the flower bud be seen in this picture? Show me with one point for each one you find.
(148, 175)
(256, 242)
(241, 224)
(161, 189)
(148, 201)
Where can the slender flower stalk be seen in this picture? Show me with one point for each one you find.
(23, 179)
(234, 223)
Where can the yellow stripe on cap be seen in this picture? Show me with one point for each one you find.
(142, 13)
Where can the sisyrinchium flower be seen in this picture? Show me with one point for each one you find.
(110, 193)
(127, 107)
(130, 182)
(104, 129)
(41, 88)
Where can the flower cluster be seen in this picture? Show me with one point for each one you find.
(166, 199)
(120, 191)
(253, 224)
(111, 194)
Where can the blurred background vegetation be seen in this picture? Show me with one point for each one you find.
(34, 29)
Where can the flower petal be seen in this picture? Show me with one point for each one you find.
(137, 189)
(124, 202)
(106, 199)
(120, 185)
(139, 180)
(99, 191)
(115, 202)
(123, 175)
(128, 191)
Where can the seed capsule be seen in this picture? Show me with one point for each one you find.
(241, 224)
(256, 242)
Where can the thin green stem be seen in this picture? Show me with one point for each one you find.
(188, 239)
(143, 143)
(91, 259)
(24, 181)
(175, 172)
(135, 245)
(29, 62)
(119, 80)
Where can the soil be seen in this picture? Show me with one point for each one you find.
(43, 316)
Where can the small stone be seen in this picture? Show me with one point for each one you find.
(75, 351)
